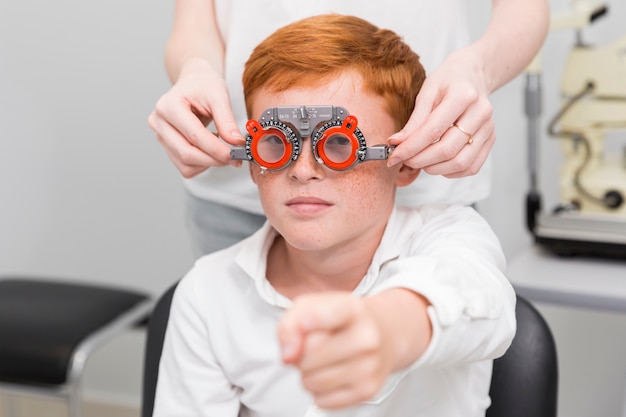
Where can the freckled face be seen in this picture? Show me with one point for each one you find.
(314, 207)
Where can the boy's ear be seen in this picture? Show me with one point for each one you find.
(406, 175)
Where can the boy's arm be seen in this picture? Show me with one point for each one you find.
(444, 302)
(457, 264)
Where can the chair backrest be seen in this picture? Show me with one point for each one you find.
(524, 381)
(154, 346)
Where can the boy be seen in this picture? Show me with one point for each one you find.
(379, 310)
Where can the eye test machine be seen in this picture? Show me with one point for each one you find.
(590, 216)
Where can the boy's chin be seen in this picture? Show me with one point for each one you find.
(309, 240)
(307, 245)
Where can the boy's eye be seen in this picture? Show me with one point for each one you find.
(271, 148)
(338, 148)
(274, 140)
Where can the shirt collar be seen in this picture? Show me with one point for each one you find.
(252, 256)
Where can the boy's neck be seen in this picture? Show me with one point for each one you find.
(294, 272)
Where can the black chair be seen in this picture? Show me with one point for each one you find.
(48, 329)
(524, 381)
(154, 345)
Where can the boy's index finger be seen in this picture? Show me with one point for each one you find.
(324, 311)
(313, 313)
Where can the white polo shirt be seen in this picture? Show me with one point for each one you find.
(221, 355)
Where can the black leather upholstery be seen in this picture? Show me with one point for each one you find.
(154, 345)
(524, 381)
(42, 323)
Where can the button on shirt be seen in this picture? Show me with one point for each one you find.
(221, 355)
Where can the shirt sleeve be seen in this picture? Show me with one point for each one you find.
(456, 262)
(191, 381)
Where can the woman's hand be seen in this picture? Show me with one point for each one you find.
(181, 115)
(451, 130)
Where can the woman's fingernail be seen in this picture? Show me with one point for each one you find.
(237, 134)
(393, 161)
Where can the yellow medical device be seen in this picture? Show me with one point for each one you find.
(590, 218)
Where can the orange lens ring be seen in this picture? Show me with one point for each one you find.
(257, 132)
(347, 129)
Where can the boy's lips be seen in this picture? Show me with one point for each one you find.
(308, 204)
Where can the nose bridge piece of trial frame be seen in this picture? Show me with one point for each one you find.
(304, 118)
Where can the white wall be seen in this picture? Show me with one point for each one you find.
(86, 193)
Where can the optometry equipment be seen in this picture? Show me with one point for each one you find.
(275, 140)
(590, 218)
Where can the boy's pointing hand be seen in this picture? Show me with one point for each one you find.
(338, 346)
(344, 345)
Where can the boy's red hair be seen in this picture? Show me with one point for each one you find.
(309, 51)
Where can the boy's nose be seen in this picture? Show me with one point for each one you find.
(306, 168)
